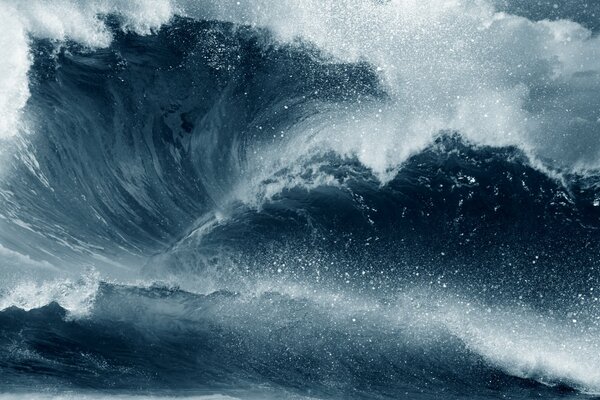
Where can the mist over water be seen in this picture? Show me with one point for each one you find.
(325, 199)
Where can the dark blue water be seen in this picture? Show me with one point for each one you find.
(167, 231)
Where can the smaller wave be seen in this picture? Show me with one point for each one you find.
(552, 351)
(280, 333)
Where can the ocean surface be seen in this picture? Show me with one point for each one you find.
(278, 199)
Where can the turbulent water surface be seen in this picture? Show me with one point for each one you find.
(317, 199)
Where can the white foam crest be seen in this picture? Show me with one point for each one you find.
(75, 296)
(552, 349)
(449, 65)
(458, 65)
(59, 20)
(14, 64)
(527, 345)
(548, 349)
(521, 342)
(81, 21)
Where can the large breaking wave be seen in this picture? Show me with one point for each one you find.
(349, 199)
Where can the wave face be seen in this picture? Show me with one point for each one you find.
(326, 200)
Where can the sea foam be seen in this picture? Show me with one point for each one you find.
(497, 78)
